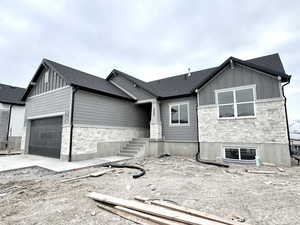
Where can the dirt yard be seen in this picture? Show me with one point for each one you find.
(37, 196)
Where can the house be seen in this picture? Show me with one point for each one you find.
(12, 110)
(233, 112)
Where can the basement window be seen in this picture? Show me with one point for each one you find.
(179, 114)
(240, 153)
(236, 102)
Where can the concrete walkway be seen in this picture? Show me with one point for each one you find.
(14, 162)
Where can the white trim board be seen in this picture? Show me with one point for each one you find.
(46, 116)
(48, 92)
(124, 90)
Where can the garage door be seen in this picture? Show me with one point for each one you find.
(45, 137)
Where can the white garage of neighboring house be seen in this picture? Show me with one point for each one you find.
(12, 110)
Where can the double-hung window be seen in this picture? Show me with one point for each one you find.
(236, 102)
(179, 114)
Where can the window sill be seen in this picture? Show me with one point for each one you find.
(237, 118)
(239, 161)
(179, 125)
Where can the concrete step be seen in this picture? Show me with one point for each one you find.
(126, 154)
(132, 148)
(134, 144)
(129, 150)
(140, 139)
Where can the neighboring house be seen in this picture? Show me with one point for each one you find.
(235, 111)
(11, 117)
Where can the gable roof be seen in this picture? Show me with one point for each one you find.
(11, 95)
(182, 86)
(82, 80)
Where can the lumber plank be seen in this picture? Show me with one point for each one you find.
(152, 209)
(260, 171)
(155, 219)
(126, 215)
(187, 210)
(95, 174)
(195, 212)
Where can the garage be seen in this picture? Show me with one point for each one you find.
(45, 137)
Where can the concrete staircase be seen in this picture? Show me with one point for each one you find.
(135, 148)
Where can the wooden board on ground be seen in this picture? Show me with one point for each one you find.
(261, 171)
(95, 174)
(125, 215)
(155, 219)
(152, 210)
(188, 211)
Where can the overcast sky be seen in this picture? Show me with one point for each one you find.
(147, 39)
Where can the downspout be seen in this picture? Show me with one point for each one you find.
(8, 126)
(198, 159)
(286, 116)
(74, 90)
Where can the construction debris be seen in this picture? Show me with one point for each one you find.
(280, 169)
(125, 215)
(260, 171)
(95, 174)
(161, 212)
(268, 164)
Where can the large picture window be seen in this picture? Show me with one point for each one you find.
(242, 153)
(179, 114)
(236, 102)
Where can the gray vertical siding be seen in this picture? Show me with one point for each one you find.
(266, 87)
(4, 116)
(54, 82)
(180, 133)
(50, 103)
(138, 92)
(100, 110)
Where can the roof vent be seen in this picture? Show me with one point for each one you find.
(189, 73)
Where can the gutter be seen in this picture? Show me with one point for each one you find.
(286, 117)
(8, 126)
(74, 90)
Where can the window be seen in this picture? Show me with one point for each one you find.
(241, 153)
(179, 114)
(237, 102)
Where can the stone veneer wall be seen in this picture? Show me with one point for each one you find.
(86, 139)
(267, 131)
(269, 125)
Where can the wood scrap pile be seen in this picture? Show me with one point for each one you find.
(149, 212)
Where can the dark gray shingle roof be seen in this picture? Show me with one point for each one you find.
(181, 85)
(11, 94)
(85, 80)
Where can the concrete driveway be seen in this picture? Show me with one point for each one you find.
(14, 162)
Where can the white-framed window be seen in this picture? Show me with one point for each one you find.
(236, 102)
(240, 153)
(179, 114)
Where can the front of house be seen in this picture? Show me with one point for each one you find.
(236, 111)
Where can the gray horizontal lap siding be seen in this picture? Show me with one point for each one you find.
(99, 110)
(138, 92)
(54, 82)
(266, 87)
(179, 133)
(50, 103)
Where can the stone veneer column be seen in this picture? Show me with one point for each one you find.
(155, 123)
